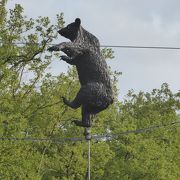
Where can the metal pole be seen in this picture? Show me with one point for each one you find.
(89, 159)
(87, 134)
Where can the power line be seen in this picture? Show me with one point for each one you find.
(54, 141)
(142, 47)
(111, 46)
(138, 131)
(96, 137)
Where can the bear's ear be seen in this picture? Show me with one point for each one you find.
(78, 21)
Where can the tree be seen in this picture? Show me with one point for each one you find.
(149, 155)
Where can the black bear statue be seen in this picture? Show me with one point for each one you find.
(83, 51)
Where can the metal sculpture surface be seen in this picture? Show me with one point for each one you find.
(83, 51)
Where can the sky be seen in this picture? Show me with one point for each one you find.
(124, 22)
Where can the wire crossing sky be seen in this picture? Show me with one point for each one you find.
(115, 46)
(95, 137)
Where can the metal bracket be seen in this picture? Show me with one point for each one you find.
(87, 133)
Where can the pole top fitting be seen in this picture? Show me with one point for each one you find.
(87, 133)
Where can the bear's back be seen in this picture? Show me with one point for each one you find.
(92, 67)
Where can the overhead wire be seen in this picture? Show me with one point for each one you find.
(142, 47)
(95, 137)
(111, 46)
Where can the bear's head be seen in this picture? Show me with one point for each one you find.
(71, 30)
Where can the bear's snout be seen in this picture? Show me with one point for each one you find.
(61, 31)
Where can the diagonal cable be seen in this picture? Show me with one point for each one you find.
(96, 137)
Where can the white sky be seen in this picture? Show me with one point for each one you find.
(125, 22)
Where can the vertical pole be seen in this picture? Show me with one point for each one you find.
(87, 134)
(89, 159)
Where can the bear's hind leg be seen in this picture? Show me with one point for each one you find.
(86, 118)
(73, 104)
(76, 103)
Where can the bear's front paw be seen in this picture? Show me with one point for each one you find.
(53, 48)
(65, 58)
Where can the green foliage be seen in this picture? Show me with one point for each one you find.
(31, 107)
(107, 53)
(139, 155)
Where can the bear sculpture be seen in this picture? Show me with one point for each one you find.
(83, 51)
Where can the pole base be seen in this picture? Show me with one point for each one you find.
(87, 133)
